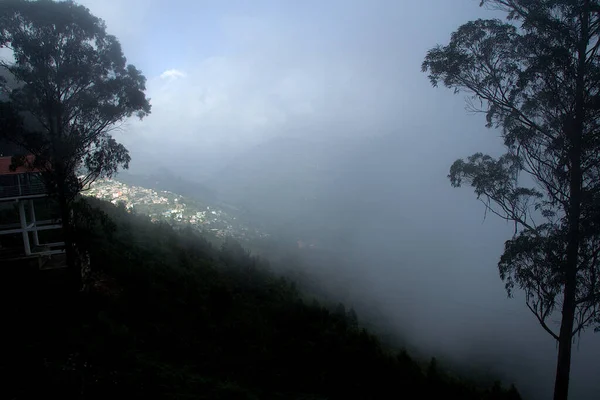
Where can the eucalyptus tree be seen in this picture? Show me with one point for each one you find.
(536, 76)
(71, 87)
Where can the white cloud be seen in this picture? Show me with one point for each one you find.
(173, 74)
(263, 90)
(252, 76)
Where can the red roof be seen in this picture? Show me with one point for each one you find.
(5, 166)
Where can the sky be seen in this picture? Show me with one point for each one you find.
(225, 76)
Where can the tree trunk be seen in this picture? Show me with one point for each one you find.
(574, 135)
(565, 342)
(565, 337)
(74, 275)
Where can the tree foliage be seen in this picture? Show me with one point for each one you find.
(170, 316)
(73, 87)
(536, 76)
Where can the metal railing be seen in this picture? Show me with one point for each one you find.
(25, 189)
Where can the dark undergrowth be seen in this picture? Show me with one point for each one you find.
(165, 314)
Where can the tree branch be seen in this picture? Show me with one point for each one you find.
(543, 323)
(594, 297)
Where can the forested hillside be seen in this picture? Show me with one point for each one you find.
(166, 314)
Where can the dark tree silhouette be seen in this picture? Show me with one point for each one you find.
(164, 317)
(73, 87)
(536, 76)
(352, 318)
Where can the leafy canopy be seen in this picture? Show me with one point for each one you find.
(532, 79)
(74, 87)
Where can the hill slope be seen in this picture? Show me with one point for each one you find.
(168, 315)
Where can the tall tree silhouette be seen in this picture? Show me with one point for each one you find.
(537, 77)
(73, 87)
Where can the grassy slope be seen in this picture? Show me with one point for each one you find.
(170, 316)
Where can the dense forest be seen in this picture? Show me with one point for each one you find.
(167, 314)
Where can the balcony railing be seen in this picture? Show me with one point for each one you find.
(25, 189)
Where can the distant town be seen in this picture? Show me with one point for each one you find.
(172, 208)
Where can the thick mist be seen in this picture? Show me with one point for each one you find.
(315, 120)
